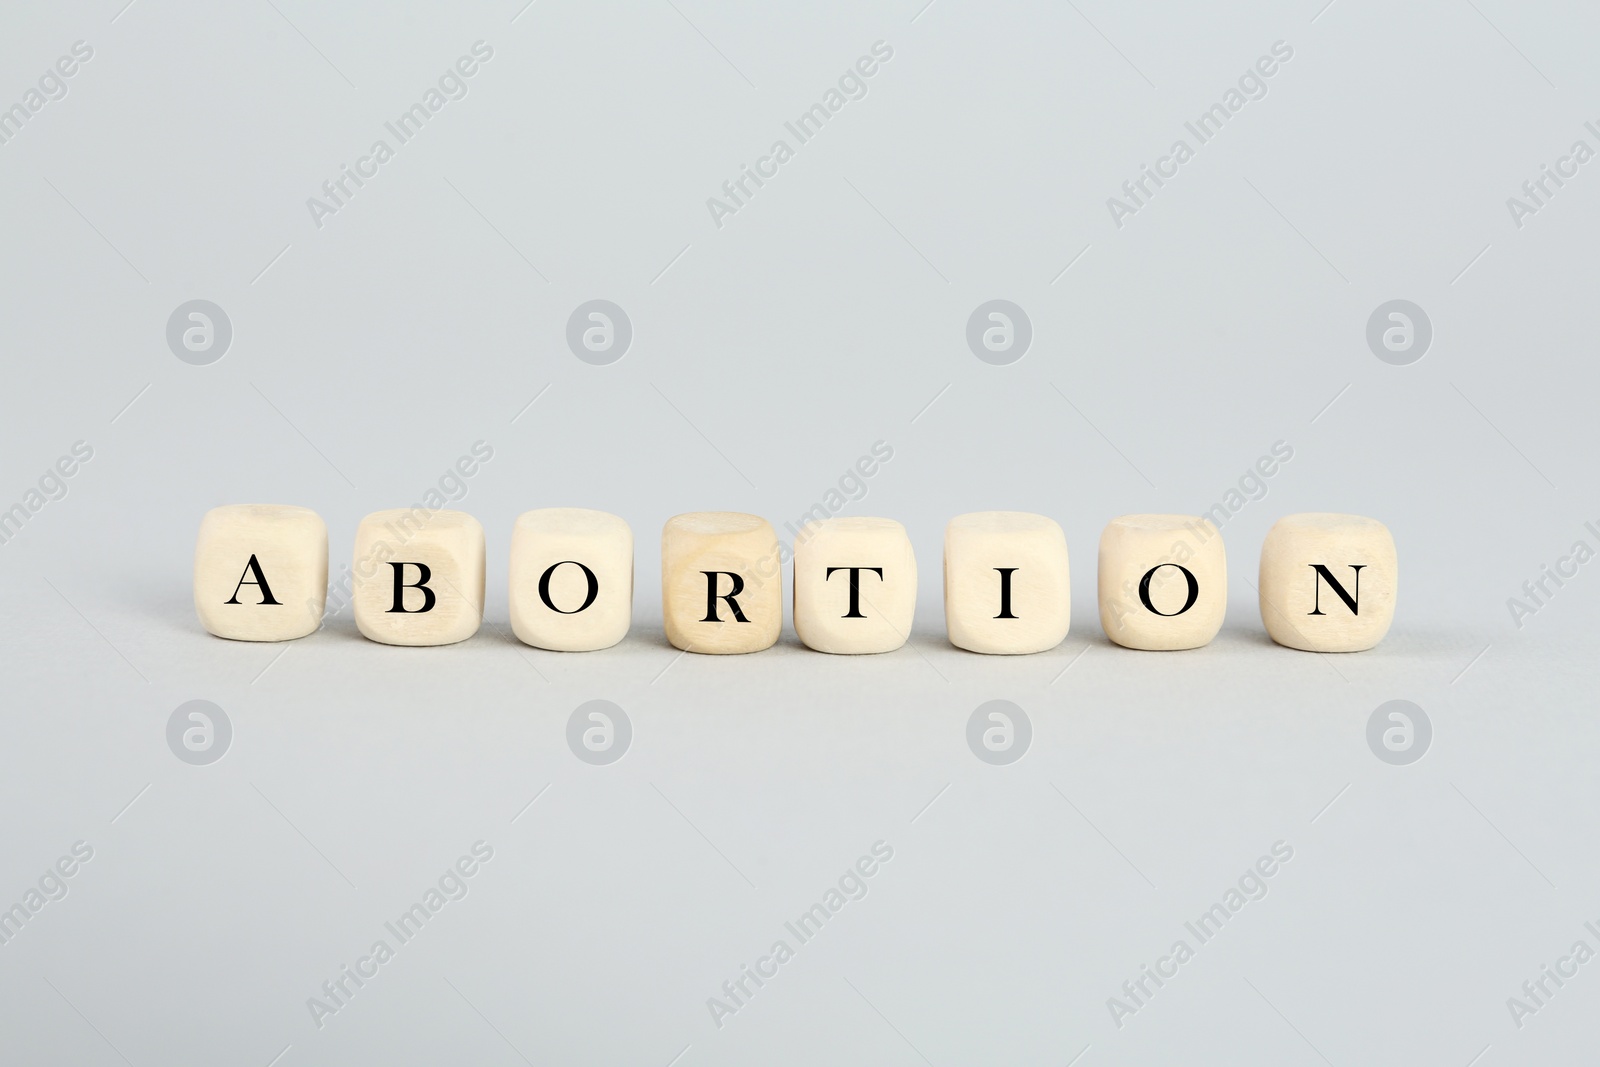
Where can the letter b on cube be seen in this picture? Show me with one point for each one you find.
(418, 576)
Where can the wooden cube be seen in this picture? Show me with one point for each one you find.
(1163, 581)
(571, 579)
(418, 576)
(721, 590)
(1328, 582)
(261, 571)
(855, 585)
(1007, 586)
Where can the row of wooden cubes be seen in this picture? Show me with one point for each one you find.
(1327, 581)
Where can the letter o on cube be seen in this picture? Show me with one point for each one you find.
(261, 572)
(1328, 582)
(571, 579)
(1163, 581)
(418, 576)
(855, 585)
(1007, 585)
(721, 582)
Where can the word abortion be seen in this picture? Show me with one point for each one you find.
(1326, 581)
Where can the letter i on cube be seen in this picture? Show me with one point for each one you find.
(721, 587)
(418, 576)
(1007, 586)
(261, 572)
(571, 579)
(855, 585)
(1328, 582)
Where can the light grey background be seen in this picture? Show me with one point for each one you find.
(768, 355)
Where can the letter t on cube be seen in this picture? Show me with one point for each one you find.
(855, 585)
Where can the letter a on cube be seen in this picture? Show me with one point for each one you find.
(721, 582)
(1328, 582)
(418, 576)
(261, 572)
(855, 585)
(571, 579)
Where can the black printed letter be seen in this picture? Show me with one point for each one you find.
(1144, 589)
(594, 587)
(254, 570)
(400, 587)
(1005, 592)
(1319, 573)
(855, 587)
(712, 597)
